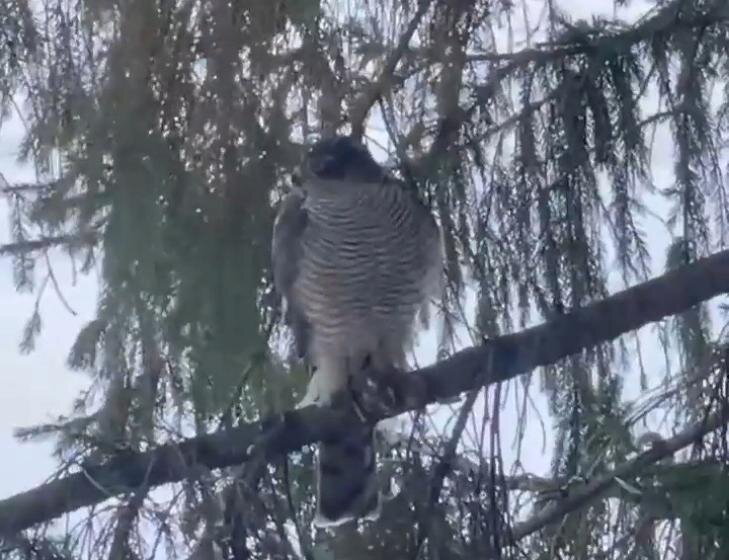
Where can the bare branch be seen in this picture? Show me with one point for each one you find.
(501, 358)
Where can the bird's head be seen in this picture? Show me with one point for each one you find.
(342, 158)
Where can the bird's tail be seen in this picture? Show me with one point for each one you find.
(347, 479)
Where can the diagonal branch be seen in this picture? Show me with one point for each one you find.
(502, 358)
(628, 470)
(666, 20)
(372, 93)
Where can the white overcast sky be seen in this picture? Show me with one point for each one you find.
(38, 387)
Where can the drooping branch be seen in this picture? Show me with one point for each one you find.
(666, 20)
(367, 99)
(497, 360)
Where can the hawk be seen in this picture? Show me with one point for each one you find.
(356, 258)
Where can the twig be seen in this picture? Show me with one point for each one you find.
(57, 287)
(364, 103)
(21, 188)
(22, 247)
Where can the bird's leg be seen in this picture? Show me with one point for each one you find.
(328, 379)
(312, 393)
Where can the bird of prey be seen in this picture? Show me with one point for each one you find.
(356, 258)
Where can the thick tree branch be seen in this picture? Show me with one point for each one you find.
(500, 359)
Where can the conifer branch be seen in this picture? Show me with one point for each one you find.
(628, 470)
(499, 359)
(666, 20)
(28, 246)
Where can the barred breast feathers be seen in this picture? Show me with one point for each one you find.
(373, 253)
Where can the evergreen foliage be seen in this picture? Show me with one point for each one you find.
(165, 132)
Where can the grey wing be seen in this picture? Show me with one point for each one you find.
(286, 252)
(430, 240)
